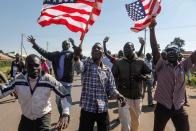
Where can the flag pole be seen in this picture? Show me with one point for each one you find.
(83, 35)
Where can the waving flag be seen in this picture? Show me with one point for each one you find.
(75, 14)
(142, 12)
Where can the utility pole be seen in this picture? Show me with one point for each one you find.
(47, 46)
(145, 41)
(22, 35)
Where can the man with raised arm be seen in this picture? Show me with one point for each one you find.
(170, 85)
(120, 53)
(62, 62)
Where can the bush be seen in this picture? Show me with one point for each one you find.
(193, 81)
(5, 67)
(5, 63)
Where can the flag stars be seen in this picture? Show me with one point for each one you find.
(135, 11)
(58, 1)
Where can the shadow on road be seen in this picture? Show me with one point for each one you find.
(77, 85)
(192, 97)
(8, 101)
(146, 108)
(75, 102)
(113, 105)
(77, 79)
(115, 111)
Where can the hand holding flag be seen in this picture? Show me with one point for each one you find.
(75, 14)
(142, 12)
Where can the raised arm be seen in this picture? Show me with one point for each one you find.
(153, 42)
(105, 49)
(77, 50)
(72, 43)
(142, 42)
(44, 53)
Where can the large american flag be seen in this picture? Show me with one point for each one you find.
(142, 12)
(75, 14)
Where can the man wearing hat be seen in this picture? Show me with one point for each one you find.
(170, 85)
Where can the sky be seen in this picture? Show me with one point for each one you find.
(177, 19)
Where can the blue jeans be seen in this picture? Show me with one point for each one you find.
(68, 87)
(149, 84)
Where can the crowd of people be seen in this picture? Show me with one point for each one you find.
(124, 77)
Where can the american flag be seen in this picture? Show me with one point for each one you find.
(75, 14)
(142, 12)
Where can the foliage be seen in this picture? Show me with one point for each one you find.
(193, 81)
(5, 67)
(5, 63)
(178, 42)
(1, 51)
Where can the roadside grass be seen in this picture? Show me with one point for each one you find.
(5, 69)
(193, 81)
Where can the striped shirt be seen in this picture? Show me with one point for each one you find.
(171, 83)
(35, 101)
(98, 84)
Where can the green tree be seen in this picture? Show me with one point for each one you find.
(178, 42)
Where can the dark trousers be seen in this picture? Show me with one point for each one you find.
(40, 124)
(88, 119)
(178, 117)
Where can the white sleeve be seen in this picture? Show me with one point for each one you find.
(65, 105)
(7, 88)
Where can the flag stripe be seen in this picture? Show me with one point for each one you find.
(153, 11)
(70, 23)
(75, 16)
(151, 8)
(141, 27)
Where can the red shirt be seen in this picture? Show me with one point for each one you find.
(45, 67)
